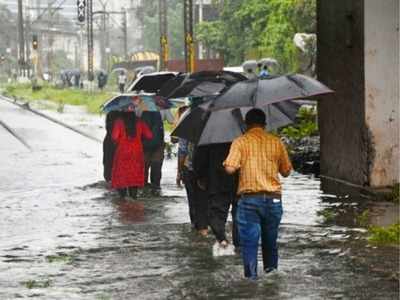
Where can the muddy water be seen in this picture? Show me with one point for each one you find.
(65, 236)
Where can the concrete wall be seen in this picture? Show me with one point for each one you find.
(358, 56)
(345, 143)
(381, 64)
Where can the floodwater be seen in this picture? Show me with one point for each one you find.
(63, 235)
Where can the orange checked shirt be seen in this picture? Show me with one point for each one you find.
(259, 157)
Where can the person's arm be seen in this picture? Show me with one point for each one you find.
(232, 162)
(285, 166)
(182, 154)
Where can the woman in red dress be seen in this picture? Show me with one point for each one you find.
(128, 165)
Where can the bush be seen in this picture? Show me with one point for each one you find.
(304, 127)
(385, 235)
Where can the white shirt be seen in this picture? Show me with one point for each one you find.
(122, 79)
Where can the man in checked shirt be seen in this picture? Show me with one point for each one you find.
(259, 157)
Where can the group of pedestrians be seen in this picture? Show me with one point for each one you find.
(133, 151)
(242, 176)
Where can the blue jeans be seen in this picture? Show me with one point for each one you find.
(258, 216)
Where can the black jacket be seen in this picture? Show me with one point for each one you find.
(207, 165)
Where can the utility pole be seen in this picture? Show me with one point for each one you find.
(90, 39)
(188, 29)
(21, 39)
(163, 24)
(125, 32)
(201, 20)
(103, 42)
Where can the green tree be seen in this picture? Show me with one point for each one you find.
(259, 28)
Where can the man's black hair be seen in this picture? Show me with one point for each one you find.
(265, 67)
(255, 116)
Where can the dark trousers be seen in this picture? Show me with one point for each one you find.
(201, 207)
(131, 191)
(258, 216)
(153, 166)
(121, 87)
(197, 200)
(219, 209)
(108, 156)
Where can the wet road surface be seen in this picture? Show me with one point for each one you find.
(65, 236)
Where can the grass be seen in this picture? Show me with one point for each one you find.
(363, 218)
(328, 214)
(71, 96)
(62, 257)
(385, 235)
(34, 284)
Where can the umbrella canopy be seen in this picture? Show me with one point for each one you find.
(120, 69)
(142, 102)
(118, 103)
(145, 70)
(200, 84)
(203, 127)
(151, 83)
(261, 92)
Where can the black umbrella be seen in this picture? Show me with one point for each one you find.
(261, 92)
(151, 83)
(199, 84)
(203, 127)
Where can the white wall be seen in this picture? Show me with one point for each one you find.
(382, 88)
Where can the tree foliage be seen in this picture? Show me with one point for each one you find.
(254, 29)
(175, 27)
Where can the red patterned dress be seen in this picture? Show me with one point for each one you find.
(128, 164)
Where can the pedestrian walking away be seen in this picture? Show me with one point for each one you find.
(122, 81)
(221, 188)
(128, 165)
(154, 149)
(197, 195)
(259, 157)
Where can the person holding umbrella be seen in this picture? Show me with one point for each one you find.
(220, 186)
(259, 157)
(122, 81)
(128, 165)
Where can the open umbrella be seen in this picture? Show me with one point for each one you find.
(261, 92)
(204, 83)
(151, 83)
(120, 69)
(141, 102)
(203, 127)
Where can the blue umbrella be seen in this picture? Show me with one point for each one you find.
(141, 102)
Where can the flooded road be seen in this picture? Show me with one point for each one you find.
(65, 236)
